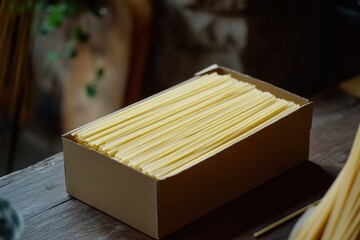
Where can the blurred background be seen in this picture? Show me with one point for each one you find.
(65, 63)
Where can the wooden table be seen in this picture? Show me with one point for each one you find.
(38, 192)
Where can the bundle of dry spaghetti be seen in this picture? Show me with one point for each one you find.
(338, 214)
(15, 60)
(172, 131)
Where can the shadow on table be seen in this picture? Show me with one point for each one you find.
(264, 205)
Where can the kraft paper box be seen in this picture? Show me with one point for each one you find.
(159, 207)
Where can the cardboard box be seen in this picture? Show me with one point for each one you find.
(159, 207)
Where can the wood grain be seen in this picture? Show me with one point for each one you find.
(38, 192)
(37, 188)
(76, 220)
(336, 119)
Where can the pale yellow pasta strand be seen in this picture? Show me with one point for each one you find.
(103, 134)
(148, 107)
(317, 222)
(182, 133)
(154, 99)
(351, 222)
(344, 191)
(219, 93)
(353, 232)
(108, 141)
(214, 120)
(146, 124)
(214, 136)
(154, 137)
(181, 166)
(178, 93)
(227, 134)
(241, 114)
(206, 148)
(352, 206)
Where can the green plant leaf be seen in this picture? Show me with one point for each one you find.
(42, 4)
(71, 52)
(80, 35)
(54, 19)
(90, 90)
(52, 57)
(56, 15)
(99, 74)
(72, 8)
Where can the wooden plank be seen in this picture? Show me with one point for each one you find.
(237, 218)
(76, 220)
(39, 191)
(336, 119)
(36, 188)
(262, 206)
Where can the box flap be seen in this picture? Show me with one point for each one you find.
(207, 69)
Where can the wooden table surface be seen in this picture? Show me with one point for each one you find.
(38, 192)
